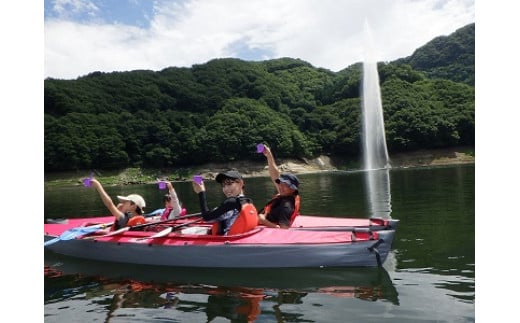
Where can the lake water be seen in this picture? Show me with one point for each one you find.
(428, 277)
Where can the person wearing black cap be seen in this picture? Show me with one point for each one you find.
(283, 208)
(236, 214)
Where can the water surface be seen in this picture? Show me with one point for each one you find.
(428, 277)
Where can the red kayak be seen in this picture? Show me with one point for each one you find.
(312, 241)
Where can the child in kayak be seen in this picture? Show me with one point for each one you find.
(172, 206)
(128, 212)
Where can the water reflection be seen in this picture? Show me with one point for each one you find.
(379, 198)
(235, 294)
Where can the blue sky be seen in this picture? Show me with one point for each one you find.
(133, 13)
(82, 36)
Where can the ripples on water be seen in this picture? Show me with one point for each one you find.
(200, 294)
(429, 276)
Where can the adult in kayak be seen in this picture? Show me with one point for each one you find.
(128, 212)
(236, 214)
(283, 208)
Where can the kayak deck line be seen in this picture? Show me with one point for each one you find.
(315, 242)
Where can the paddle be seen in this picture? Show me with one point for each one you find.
(187, 216)
(113, 233)
(159, 234)
(168, 230)
(158, 211)
(139, 226)
(77, 232)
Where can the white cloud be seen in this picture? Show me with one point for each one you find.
(326, 33)
(65, 8)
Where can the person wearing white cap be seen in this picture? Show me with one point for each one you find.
(283, 208)
(127, 213)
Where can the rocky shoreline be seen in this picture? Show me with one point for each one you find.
(421, 158)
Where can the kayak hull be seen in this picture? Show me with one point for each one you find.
(260, 248)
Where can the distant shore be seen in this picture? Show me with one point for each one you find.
(421, 158)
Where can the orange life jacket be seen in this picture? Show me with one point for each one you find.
(135, 220)
(296, 210)
(246, 220)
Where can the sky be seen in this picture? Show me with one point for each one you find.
(83, 36)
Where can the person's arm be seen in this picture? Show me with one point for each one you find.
(200, 189)
(106, 199)
(174, 201)
(274, 173)
(262, 220)
(216, 214)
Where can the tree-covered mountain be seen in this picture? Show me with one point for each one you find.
(219, 111)
(447, 57)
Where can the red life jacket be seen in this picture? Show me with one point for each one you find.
(246, 220)
(166, 213)
(296, 210)
(168, 210)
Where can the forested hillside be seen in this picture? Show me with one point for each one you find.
(449, 57)
(219, 111)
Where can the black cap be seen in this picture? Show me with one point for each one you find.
(233, 174)
(289, 179)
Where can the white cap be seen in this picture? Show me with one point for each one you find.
(136, 199)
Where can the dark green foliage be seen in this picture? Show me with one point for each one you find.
(428, 114)
(233, 132)
(447, 57)
(219, 111)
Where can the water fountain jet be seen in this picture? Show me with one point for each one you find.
(375, 154)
